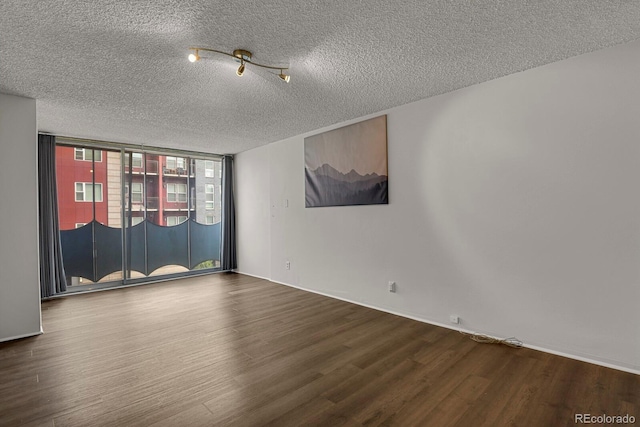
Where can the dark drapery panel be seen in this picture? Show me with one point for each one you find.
(228, 259)
(52, 277)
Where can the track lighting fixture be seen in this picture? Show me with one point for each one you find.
(284, 76)
(240, 69)
(193, 57)
(241, 55)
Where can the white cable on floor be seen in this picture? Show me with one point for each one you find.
(486, 339)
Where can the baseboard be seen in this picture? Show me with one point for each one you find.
(586, 359)
(444, 325)
(17, 337)
(99, 287)
(259, 277)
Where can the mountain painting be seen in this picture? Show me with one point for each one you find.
(347, 166)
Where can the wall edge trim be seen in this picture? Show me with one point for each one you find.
(17, 337)
(629, 369)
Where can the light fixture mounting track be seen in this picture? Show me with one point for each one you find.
(241, 55)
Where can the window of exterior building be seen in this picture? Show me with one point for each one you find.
(209, 219)
(209, 202)
(176, 192)
(80, 224)
(85, 192)
(136, 192)
(175, 162)
(136, 160)
(87, 154)
(208, 169)
(175, 220)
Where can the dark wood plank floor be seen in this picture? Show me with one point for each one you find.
(233, 350)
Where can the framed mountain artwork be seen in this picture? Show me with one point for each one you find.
(347, 166)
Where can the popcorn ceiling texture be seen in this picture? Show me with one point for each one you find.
(118, 71)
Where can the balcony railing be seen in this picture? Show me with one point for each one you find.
(95, 250)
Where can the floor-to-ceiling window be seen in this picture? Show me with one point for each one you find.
(129, 216)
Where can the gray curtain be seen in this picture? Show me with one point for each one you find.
(52, 277)
(228, 254)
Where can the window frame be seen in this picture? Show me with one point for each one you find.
(180, 162)
(209, 204)
(135, 157)
(136, 193)
(209, 172)
(176, 193)
(77, 150)
(99, 188)
(84, 192)
(178, 221)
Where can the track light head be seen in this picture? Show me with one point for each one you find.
(193, 57)
(284, 76)
(240, 69)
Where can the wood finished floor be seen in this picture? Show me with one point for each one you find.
(232, 350)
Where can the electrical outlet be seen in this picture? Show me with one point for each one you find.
(392, 286)
(454, 319)
(287, 265)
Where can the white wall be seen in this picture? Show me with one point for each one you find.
(252, 211)
(514, 204)
(19, 285)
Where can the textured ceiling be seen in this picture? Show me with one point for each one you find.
(118, 71)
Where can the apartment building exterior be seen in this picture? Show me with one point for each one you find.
(164, 190)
